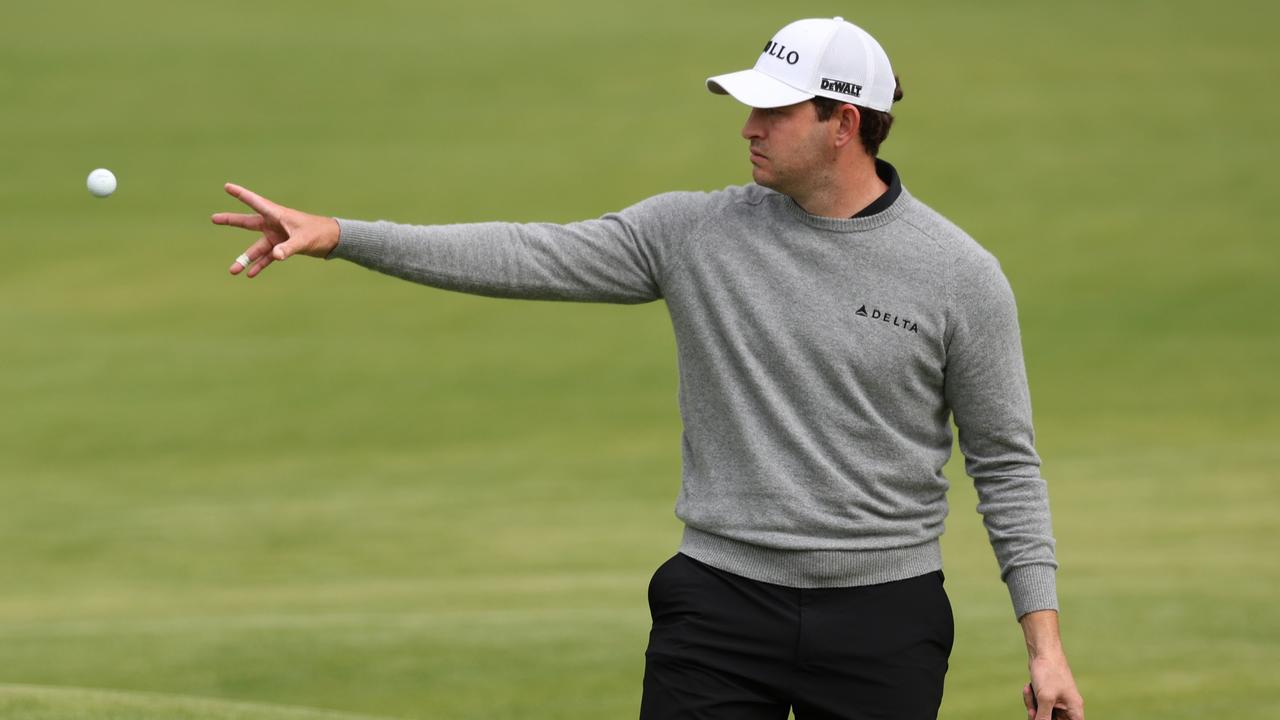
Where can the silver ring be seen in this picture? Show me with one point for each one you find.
(244, 260)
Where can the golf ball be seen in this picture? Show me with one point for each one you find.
(101, 182)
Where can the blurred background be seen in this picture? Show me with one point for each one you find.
(324, 488)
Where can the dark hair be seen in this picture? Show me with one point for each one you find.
(875, 123)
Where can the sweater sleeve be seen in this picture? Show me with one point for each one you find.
(986, 388)
(617, 258)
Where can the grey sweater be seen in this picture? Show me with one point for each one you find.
(820, 361)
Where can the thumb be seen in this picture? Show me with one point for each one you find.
(284, 250)
(1028, 699)
(297, 235)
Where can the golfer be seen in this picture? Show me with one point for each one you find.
(829, 325)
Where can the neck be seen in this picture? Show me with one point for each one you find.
(844, 192)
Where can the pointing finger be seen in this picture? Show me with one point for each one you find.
(252, 199)
(248, 222)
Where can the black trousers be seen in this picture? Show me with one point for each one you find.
(724, 647)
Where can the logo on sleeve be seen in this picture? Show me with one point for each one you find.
(889, 318)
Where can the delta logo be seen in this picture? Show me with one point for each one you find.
(889, 319)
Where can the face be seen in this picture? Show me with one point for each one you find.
(790, 147)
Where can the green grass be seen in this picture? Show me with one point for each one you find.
(45, 703)
(328, 489)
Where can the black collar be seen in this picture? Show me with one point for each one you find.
(889, 175)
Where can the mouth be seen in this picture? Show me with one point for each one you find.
(756, 155)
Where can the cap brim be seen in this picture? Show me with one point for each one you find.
(754, 88)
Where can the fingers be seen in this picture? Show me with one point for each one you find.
(267, 221)
(248, 222)
(259, 265)
(1071, 708)
(252, 199)
(1029, 699)
(1044, 708)
(285, 232)
(255, 252)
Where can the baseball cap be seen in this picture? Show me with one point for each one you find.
(818, 56)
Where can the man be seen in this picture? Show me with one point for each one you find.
(828, 325)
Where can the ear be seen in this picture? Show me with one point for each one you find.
(848, 120)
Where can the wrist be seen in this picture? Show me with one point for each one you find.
(332, 236)
(1043, 638)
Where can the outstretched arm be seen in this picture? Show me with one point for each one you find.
(617, 258)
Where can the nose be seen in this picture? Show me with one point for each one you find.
(753, 129)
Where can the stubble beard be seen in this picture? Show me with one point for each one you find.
(783, 183)
(770, 178)
(802, 176)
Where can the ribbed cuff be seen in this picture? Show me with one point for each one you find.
(357, 239)
(1032, 587)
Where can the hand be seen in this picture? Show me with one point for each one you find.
(1052, 693)
(284, 231)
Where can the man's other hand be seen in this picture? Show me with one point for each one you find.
(1052, 693)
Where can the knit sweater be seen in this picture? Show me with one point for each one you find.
(820, 362)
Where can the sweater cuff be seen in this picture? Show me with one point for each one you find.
(357, 239)
(1032, 588)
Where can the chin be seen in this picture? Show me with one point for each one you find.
(763, 179)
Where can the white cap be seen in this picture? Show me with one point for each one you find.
(833, 58)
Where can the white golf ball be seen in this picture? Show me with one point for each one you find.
(101, 182)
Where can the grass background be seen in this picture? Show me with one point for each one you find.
(324, 488)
